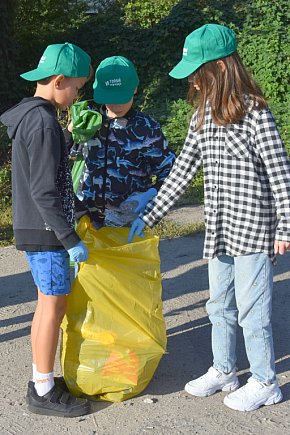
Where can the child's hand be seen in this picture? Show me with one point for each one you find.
(78, 253)
(281, 247)
(142, 199)
(137, 228)
(70, 127)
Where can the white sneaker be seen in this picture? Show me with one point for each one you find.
(253, 395)
(212, 381)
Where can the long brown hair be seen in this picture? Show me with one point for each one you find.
(225, 90)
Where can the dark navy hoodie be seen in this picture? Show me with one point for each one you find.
(42, 194)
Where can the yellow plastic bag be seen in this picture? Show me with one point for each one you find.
(114, 331)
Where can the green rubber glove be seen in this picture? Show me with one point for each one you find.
(85, 122)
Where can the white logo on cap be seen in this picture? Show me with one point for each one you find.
(114, 82)
(185, 51)
(42, 59)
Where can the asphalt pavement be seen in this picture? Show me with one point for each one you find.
(170, 409)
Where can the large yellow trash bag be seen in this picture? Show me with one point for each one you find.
(114, 331)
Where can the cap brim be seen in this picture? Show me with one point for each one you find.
(35, 75)
(102, 96)
(183, 69)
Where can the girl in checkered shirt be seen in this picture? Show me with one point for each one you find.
(247, 210)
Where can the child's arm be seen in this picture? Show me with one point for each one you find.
(44, 152)
(182, 173)
(273, 153)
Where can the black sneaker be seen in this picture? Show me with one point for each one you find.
(59, 381)
(56, 402)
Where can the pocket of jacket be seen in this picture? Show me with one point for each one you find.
(237, 143)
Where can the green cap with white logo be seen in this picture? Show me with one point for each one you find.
(208, 42)
(67, 59)
(115, 81)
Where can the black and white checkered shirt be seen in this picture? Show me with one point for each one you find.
(246, 183)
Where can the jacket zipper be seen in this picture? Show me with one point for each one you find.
(105, 168)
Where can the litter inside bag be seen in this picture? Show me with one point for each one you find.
(114, 331)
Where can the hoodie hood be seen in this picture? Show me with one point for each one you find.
(13, 117)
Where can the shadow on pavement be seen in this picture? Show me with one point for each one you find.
(17, 289)
(189, 342)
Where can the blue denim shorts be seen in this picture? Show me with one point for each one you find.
(50, 271)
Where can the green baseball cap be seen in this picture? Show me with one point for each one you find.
(208, 42)
(67, 59)
(115, 81)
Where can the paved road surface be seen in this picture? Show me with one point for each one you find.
(174, 412)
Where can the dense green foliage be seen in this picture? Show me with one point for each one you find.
(264, 44)
(5, 181)
(146, 13)
(27, 27)
(8, 81)
(150, 33)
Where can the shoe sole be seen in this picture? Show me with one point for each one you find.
(275, 398)
(233, 386)
(53, 412)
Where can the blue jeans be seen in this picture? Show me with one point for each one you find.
(241, 293)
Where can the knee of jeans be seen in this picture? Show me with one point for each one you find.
(213, 308)
(255, 325)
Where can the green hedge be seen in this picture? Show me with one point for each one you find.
(151, 33)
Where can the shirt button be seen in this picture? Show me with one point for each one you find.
(214, 211)
(215, 186)
(213, 233)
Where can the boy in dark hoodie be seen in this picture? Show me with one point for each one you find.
(43, 212)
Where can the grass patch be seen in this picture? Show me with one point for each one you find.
(6, 232)
(168, 229)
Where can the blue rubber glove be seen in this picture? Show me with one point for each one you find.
(78, 253)
(137, 228)
(142, 198)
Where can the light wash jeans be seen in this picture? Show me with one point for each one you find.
(241, 292)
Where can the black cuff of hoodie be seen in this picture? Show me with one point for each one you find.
(70, 240)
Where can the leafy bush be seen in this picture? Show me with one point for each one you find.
(282, 118)
(265, 49)
(176, 123)
(5, 145)
(147, 13)
(26, 28)
(151, 33)
(5, 185)
(264, 45)
(6, 231)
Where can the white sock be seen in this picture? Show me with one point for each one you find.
(44, 382)
(33, 372)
